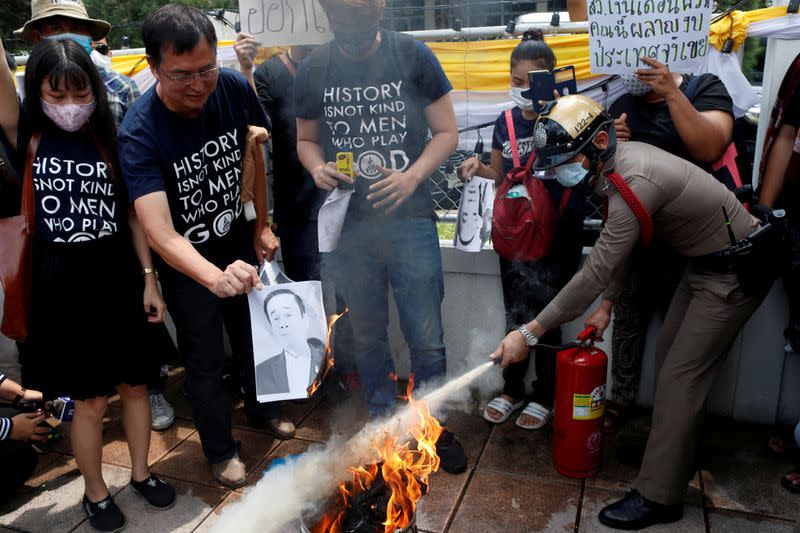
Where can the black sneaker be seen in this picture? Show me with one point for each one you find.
(451, 454)
(156, 491)
(104, 515)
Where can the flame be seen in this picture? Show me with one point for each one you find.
(327, 363)
(404, 466)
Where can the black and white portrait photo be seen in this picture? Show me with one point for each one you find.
(474, 222)
(289, 333)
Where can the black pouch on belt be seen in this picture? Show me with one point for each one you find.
(760, 258)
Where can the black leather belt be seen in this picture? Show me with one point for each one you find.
(719, 262)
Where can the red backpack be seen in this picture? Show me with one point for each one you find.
(523, 228)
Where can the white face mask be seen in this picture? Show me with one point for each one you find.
(570, 174)
(634, 86)
(69, 117)
(522, 102)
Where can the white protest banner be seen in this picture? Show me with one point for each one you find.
(285, 22)
(674, 32)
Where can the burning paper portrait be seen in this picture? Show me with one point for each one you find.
(474, 223)
(289, 333)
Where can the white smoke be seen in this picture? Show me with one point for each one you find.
(289, 490)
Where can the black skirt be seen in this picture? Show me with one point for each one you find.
(87, 319)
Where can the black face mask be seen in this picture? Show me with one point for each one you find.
(355, 44)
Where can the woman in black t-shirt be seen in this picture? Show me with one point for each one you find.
(87, 314)
(528, 286)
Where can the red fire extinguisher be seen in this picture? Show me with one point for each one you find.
(579, 407)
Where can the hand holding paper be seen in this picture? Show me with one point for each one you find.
(238, 278)
(327, 176)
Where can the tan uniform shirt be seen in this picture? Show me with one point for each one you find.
(685, 204)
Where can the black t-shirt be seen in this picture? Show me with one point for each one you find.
(375, 108)
(651, 123)
(196, 161)
(75, 195)
(296, 197)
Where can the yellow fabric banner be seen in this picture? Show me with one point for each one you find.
(484, 65)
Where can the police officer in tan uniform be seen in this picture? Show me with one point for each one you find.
(575, 137)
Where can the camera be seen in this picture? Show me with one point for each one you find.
(30, 406)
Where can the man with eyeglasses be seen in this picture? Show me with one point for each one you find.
(181, 152)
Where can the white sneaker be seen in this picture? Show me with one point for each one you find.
(162, 415)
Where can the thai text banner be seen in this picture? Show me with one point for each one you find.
(674, 32)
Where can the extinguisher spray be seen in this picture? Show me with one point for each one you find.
(579, 407)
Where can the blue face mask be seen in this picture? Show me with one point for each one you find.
(570, 174)
(84, 40)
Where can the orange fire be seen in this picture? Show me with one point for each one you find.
(327, 363)
(404, 462)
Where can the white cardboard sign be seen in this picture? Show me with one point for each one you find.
(674, 32)
(285, 22)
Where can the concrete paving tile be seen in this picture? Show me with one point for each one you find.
(436, 507)
(188, 463)
(115, 449)
(62, 465)
(500, 502)
(285, 448)
(193, 504)
(614, 473)
(741, 476)
(54, 504)
(594, 499)
(733, 522)
(336, 414)
(45, 460)
(208, 523)
(179, 402)
(472, 431)
(517, 451)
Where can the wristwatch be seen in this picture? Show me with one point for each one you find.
(530, 339)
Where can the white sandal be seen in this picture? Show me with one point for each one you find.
(535, 410)
(503, 406)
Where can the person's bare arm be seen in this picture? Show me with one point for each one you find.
(475, 167)
(9, 389)
(246, 48)
(312, 157)
(153, 212)
(264, 241)
(706, 134)
(398, 186)
(153, 303)
(778, 160)
(9, 105)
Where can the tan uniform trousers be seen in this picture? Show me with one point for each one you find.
(706, 314)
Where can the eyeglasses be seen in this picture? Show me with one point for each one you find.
(102, 49)
(207, 74)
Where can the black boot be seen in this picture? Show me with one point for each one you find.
(634, 511)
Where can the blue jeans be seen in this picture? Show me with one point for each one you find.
(401, 253)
